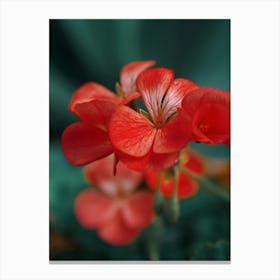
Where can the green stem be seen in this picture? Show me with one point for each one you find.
(158, 198)
(176, 180)
(208, 185)
(154, 233)
(173, 206)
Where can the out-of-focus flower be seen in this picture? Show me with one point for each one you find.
(116, 209)
(187, 186)
(150, 141)
(208, 111)
(87, 140)
(219, 170)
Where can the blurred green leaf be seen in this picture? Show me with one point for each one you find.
(218, 251)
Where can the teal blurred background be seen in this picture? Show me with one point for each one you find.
(95, 50)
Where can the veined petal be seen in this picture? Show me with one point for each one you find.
(95, 112)
(93, 208)
(130, 72)
(100, 174)
(191, 102)
(173, 136)
(82, 143)
(116, 232)
(138, 210)
(91, 91)
(153, 84)
(174, 96)
(148, 163)
(130, 132)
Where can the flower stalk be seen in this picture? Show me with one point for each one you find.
(173, 207)
(158, 198)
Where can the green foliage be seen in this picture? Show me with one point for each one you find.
(217, 251)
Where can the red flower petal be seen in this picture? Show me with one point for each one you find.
(138, 210)
(173, 136)
(174, 96)
(195, 163)
(130, 72)
(131, 132)
(94, 209)
(95, 112)
(209, 111)
(100, 174)
(82, 143)
(151, 179)
(148, 163)
(187, 187)
(153, 84)
(91, 91)
(116, 232)
(130, 98)
(216, 118)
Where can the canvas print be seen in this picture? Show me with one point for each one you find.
(139, 140)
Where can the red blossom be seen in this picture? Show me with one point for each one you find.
(150, 141)
(87, 140)
(115, 210)
(187, 186)
(208, 111)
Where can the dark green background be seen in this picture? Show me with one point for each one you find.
(95, 50)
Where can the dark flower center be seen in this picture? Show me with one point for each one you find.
(203, 127)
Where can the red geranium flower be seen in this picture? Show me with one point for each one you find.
(187, 186)
(151, 141)
(93, 104)
(116, 210)
(208, 111)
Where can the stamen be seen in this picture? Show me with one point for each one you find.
(119, 91)
(203, 127)
(120, 194)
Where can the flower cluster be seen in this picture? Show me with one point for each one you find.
(146, 128)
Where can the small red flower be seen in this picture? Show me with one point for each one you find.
(151, 141)
(187, 186)
(208, 111)
(116, 210)
(88, 140)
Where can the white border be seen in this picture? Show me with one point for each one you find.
(255, 138)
